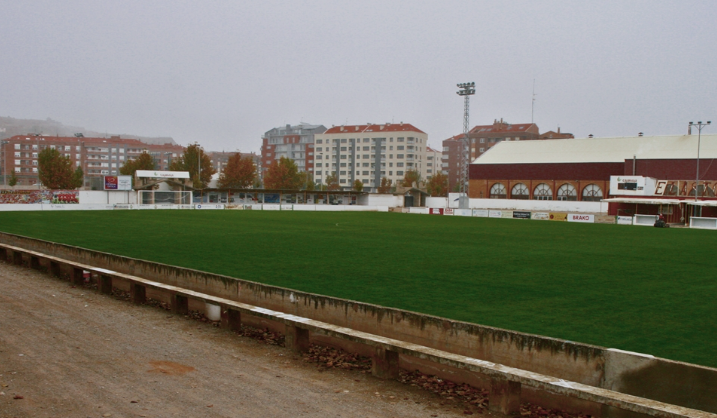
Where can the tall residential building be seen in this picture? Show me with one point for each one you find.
(481, 139)
(293, 142)
(434, 160)
(97, 156)
(219, 159)
(370, 152)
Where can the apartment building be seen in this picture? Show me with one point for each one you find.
(481, 138)
(97, 156)
(219, 159)
(293, 142)
(370, 152)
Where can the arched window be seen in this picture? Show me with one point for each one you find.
(592, 193)
(542, 192)
(567, 192)
(519, 191)
(497, 191)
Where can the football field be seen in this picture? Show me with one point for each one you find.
(634, 288)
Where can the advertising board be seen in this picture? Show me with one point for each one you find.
(209, 206)
(118, 182)
(521, 214)
(495, 214)
(624, 220)
(435, 211)
(506, 214)
(580, 217)
(481, 213)
(557, 216)
(540, 216)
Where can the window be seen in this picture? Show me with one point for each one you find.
(400, 148)
(318, 149)
(567, 192)
(343, 157)
(365, 173)
(318, 173)
(399, 140)
(343, 148)
(446, 149)
(17, 146)
(497, 191)
(318, 164)
(399, 173)
(364, 165)
(592, 193)
(482, 150)
(318, 141)
(343, 164)
(342, 181)
(520, 191)
(390, 173)
(399, 164)
(343, 173)
(542, 192)
(399, 156)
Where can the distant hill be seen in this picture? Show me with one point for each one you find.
(11, 127)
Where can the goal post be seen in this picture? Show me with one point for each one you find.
(165, 197)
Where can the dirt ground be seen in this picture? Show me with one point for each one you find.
(72, 352)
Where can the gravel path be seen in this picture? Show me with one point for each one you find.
(71, 352)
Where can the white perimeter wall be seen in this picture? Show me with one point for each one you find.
(380, 200)
(527, 205)
(101, 197)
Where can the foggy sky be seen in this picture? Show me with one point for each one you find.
(224, 72)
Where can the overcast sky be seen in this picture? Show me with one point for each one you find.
(224, 72)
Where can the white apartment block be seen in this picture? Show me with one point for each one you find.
(370, 152)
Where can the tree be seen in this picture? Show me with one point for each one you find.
(197, 163)
(54, 170)
(78, 178)
(438, 185)
(13, 179)
(143, 162)
(385, 186)
(332, 182)
(411, 176)
(358, 186)
(457, 187)
(307, 181)
(239, 173)
(283, 174)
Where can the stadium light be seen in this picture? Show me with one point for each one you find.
(699, 126)
(467, 90)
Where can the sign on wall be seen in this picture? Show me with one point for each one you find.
(556, 216)
(521, 215)
(578, 217)
(118, 182)
(39, 196)
(540, 216)
(632, 186)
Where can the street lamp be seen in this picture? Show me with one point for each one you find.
(699, 126)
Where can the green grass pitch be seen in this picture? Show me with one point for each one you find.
(634, 288)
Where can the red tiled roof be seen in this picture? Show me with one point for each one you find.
(88, 140)
(504, 127)
(388, 127)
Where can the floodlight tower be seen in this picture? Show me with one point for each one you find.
(699, 126)
(466, 90)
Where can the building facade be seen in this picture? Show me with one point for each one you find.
(293, 142)
(482, 138)
(371, 152)
(97, 156)
(219, 159)
(581, 170)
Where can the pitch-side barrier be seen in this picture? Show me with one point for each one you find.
(506, 382)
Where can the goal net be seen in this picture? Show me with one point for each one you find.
(161, 197)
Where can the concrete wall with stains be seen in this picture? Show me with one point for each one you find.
(664, 380)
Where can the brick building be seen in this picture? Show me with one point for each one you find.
(97, 156)
(481, 139)
(293, 142)
(581, 170)
(370, 152)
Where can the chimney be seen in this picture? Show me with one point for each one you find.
(639, 134)
(689, 129)
(558, 129)
(590, 136)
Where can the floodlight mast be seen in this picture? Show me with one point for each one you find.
(699, 126)
(466, 90)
